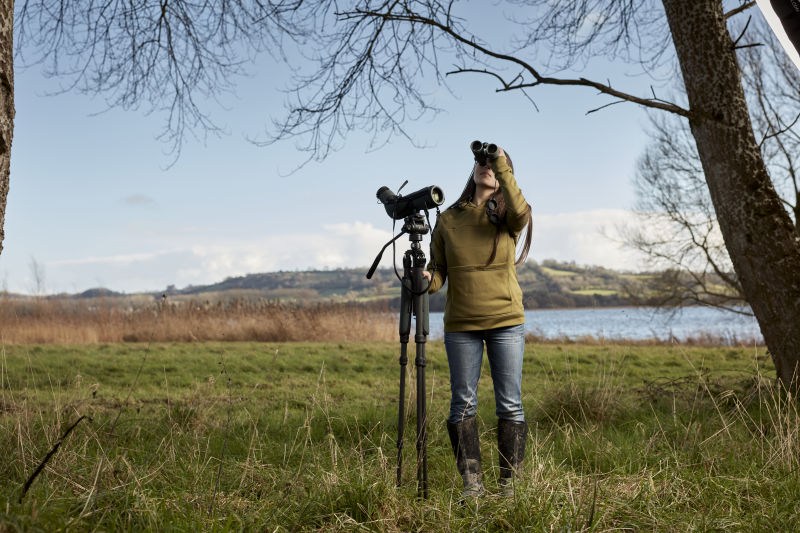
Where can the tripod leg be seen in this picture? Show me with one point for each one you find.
(405, 329)
(421, 311)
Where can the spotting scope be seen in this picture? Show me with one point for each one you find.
(399, 207)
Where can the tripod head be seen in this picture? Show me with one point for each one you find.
(415, 226)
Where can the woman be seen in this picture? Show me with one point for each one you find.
(473, 245)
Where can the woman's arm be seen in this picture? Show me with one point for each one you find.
(437, 266)
(516, 205)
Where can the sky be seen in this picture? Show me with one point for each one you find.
(94, 201)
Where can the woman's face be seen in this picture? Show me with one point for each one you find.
(483, 175)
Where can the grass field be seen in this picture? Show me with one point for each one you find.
(301, 436)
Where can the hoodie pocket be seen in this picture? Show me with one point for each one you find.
(478, 291)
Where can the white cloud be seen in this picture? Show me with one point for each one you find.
(591, 23)
(566, 236)
(119, 259)
(336, 245)
(585, 237)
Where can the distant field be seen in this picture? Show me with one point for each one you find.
(546, 285)
(555, 272)
(603, 292)
(301, 436)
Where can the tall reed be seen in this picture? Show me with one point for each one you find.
(74, 321)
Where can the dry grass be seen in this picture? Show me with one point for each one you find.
(308, 443)
(67, 321)
(241, 318)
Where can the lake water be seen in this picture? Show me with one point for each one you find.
(639, 323)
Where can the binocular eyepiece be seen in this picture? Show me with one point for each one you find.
(483, 151)
(399, 207)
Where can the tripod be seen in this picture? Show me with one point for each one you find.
(413, 299)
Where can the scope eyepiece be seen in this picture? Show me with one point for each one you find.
(399, 207)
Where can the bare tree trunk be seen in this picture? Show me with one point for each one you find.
(758, 232)
(6, 104)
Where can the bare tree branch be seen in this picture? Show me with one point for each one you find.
(744, 7)
(538, 78)
(167, 57)
(372, 59)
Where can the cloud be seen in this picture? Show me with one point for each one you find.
(336, 245)
(139, 200)
(567, 236)
(585, 237)
(591, 23)
(109, 259)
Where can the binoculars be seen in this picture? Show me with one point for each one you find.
(399, 207)
(483, 151)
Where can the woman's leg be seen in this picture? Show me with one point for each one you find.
(505, 347)
(464, 355)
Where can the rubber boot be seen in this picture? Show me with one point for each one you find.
(467, 450)
(511, 438)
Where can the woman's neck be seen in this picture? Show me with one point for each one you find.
(482, 194)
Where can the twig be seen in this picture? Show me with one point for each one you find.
(536, 107)
(779, 132)
(47, 457)
(739, 38)
(739, 9)
(605, 106)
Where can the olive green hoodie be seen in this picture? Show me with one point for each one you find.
(479, 296)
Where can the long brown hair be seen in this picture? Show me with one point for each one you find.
(469, 192)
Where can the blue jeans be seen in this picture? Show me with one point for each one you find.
(504, 347)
